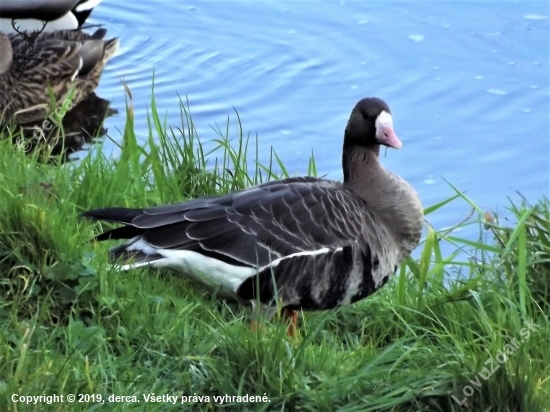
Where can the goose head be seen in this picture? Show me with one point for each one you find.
(371, 124)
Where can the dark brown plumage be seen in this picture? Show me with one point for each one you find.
(60, 60)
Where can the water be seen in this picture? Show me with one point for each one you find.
(468, 83)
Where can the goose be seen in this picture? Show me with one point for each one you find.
(20, 15)
(60, 60)
(303, 243)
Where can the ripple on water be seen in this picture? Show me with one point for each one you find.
(497, 92)
(296, 89)
(417, 38)
(535, 17)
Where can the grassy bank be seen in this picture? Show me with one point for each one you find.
(448, 333)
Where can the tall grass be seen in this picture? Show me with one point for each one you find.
(70, 324)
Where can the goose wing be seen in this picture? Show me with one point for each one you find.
(252, 227)
(308, 242)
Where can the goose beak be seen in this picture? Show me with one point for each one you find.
(386, 136)
(384, 131)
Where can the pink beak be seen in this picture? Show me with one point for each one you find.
(386, 136)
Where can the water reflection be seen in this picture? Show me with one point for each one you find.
(83, 124)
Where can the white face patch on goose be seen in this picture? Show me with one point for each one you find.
(384, 131)
(384, 118)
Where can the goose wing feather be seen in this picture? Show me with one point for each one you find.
(254, 226)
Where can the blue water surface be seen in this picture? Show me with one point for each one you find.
(467, 82)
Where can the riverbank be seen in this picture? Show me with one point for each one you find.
(447, 333)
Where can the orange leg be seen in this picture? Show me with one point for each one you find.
(292, 316)
(288, 315)
(255, 325)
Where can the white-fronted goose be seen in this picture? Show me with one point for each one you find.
(43, 15)
(314, 243)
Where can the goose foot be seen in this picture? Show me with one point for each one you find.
(292, 316)
(256, 326)
(288, 315)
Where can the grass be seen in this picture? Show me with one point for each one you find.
(69, 324)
